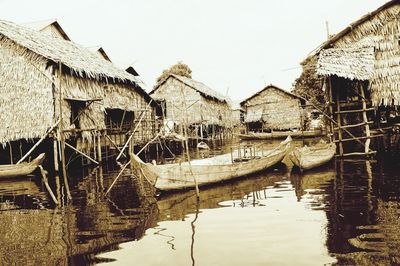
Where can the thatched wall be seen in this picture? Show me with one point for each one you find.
(29, 97)
(274, 108)
(26, 100)
(378, 32)
(200, 109)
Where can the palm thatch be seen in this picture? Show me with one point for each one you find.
(196, 85)
(368, 49)
(274, 107)
(30, 83)
(203, 104)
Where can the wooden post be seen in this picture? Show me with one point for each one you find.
(62, 140)
(99, 147)
(11, 153)
(365, 117)
(330, 94)
(55, 154)
(339, 123)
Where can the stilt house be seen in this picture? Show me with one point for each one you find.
(273, 108)
(189, 102)
(361, 70)
(42, 75)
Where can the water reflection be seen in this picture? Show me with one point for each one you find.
(345, 213)
(32, 233)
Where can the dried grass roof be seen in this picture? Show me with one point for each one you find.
(334, 38)
(350, 63)
(196, 85)
(78, 59)
(270, 86)
(42, 24)
(99, 49)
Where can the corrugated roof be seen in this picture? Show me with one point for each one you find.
(80, 60)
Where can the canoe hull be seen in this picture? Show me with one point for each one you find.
(281, 135)
(181, 176)
(308, 157)
(22, 169)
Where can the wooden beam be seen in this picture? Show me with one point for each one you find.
(39, 141)
(81, 153)
(355, 110)
(355, 125)
(359, 138)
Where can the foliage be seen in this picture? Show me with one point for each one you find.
(179, 68)
(309, 84)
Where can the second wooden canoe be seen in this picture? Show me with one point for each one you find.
(310, 157)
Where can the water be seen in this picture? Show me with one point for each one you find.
(344, 213)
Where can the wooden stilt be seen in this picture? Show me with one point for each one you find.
(339, 123)
(46, 184)
(62, 140)
(55, 155)
(11, 153)
(365, 118)
(99, 147)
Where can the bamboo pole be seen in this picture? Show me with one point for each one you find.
(81, 153)
(46, 184)
(11, 153)
(55, 156)
(339, 122)
(99, 147)
(62, 140)
(365, 117)
(134, 130)
(115, 145)
(39, 141)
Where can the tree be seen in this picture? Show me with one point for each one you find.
(179, 68)
(309, 84)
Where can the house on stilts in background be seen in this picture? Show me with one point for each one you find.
(360, 67)
(187, 102)
(273, 108)
(59, 91)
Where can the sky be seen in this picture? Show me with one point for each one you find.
(234, 47)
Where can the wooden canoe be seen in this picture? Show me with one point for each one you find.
(22, 169)
(281, 135)
(207, 171)
(310, 157)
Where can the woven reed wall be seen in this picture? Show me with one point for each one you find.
(279, 110)
(200, 109)
(26, 100)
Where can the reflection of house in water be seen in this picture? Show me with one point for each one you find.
(273, 108)
(42, 74)
(361, 202)
(187, 101)
(73, 235)
(361, 71)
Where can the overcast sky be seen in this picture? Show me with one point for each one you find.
(240, 45)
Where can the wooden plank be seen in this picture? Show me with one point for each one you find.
(356, 110)
(359, 138)
(355, 125)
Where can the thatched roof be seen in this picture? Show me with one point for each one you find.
(204, 90)
(366, 18)
(350, 63)
(43, 24)
(100, 51)
(368, 49)
(79, 60)
(270, 86)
